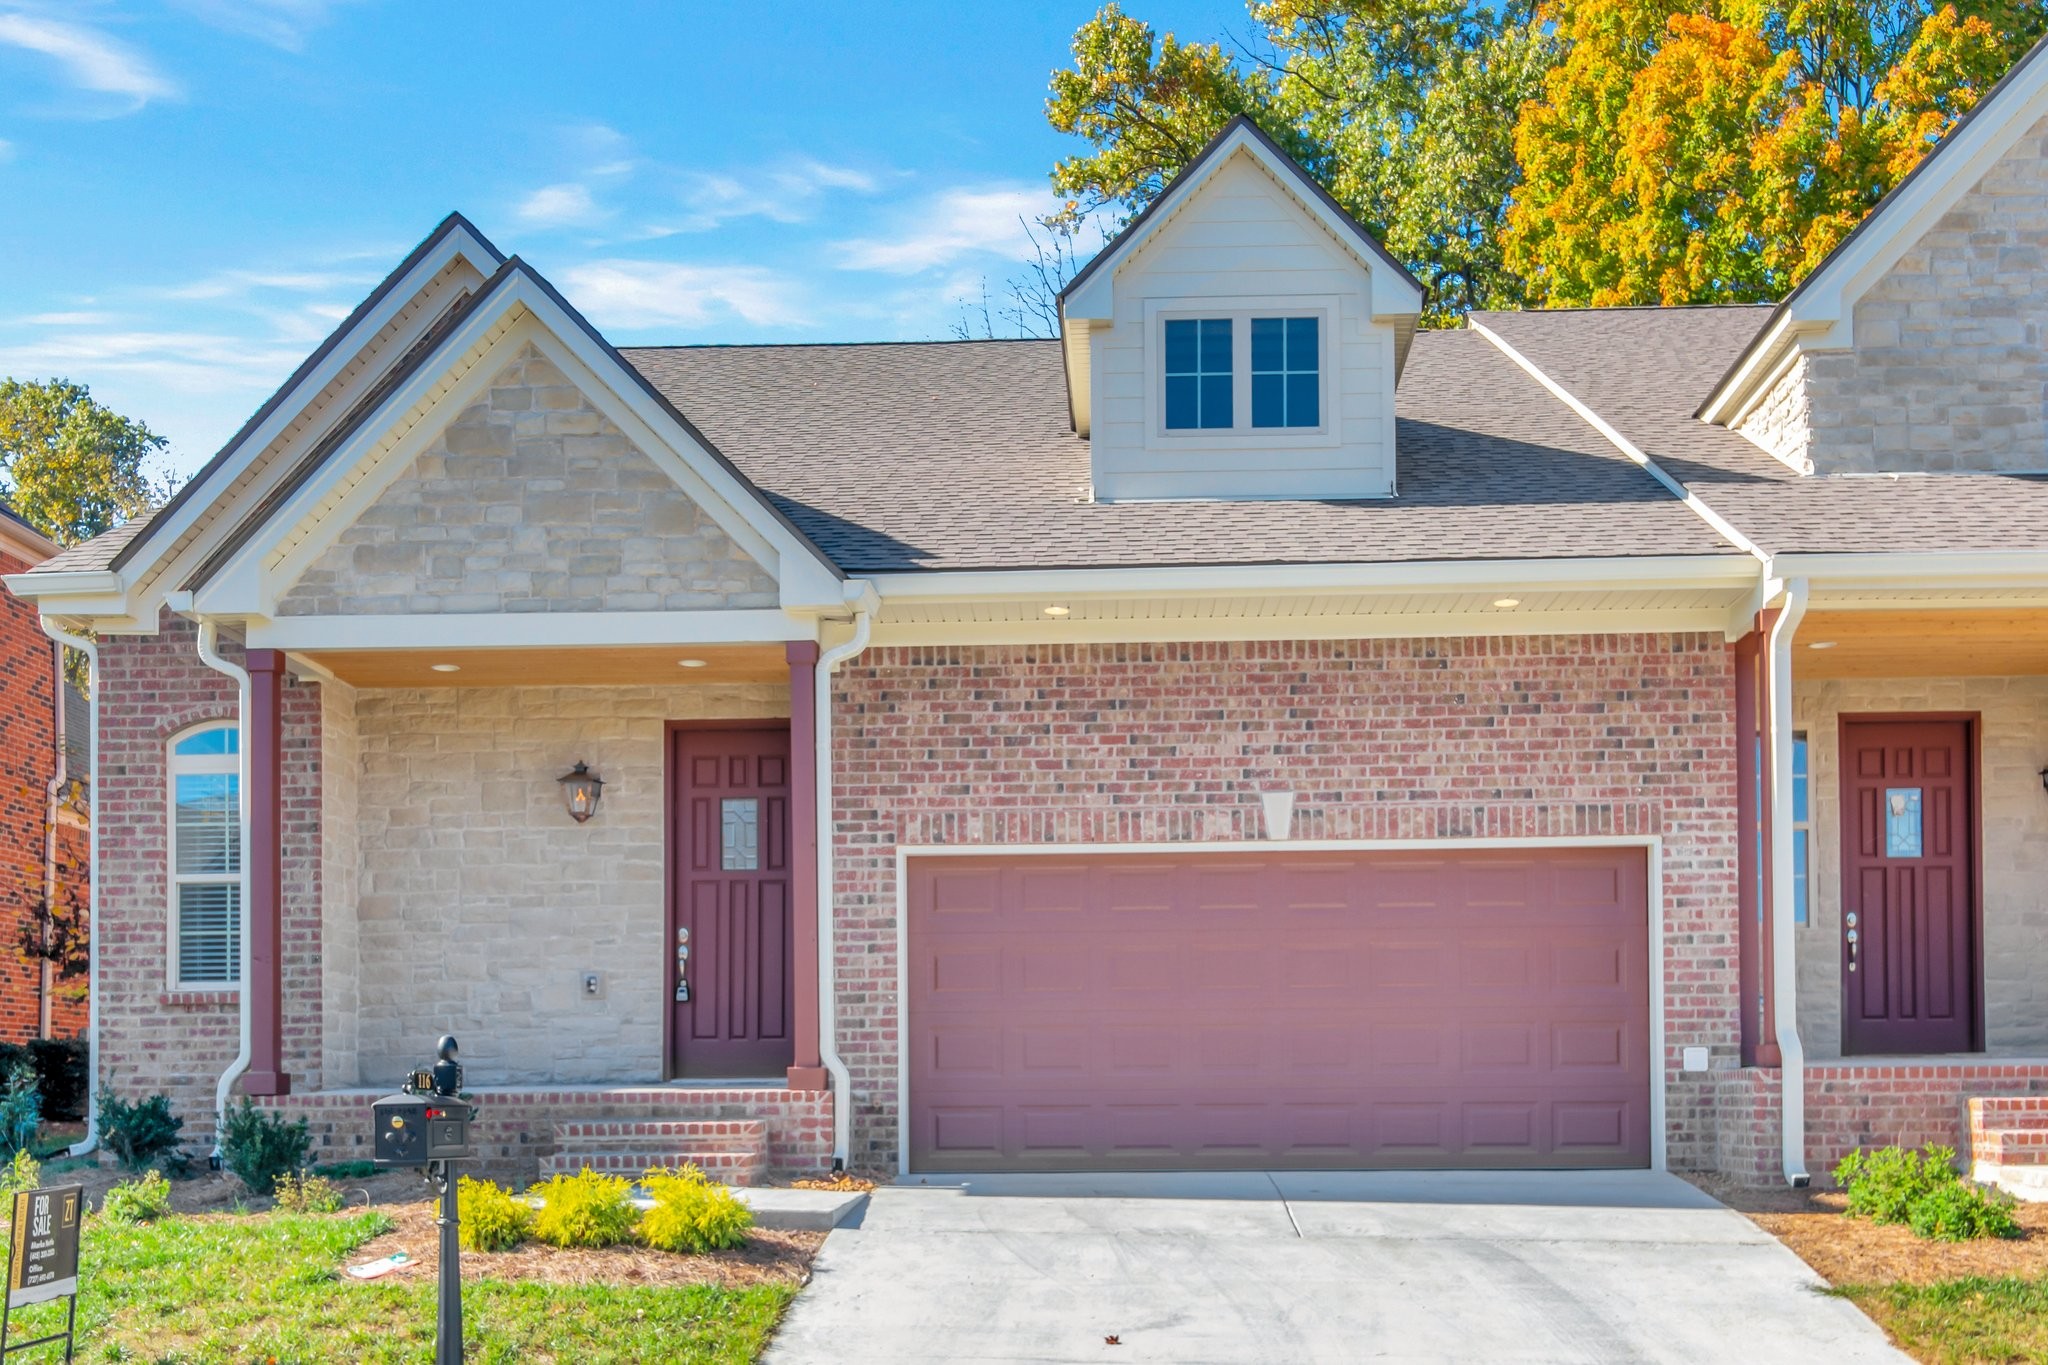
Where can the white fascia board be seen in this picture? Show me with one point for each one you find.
(38, 587)
(1919, 569)
(1228, 580)
(530, 630)
(1077, 350)
(1392, 626)
(458, 243)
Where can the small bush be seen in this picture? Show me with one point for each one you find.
(261, 1147)
(139, 1201)
(692, 1213)
(307, 1193)
(349, 1170)
(141, 1134)
(584, 1210)
(492, 1219)
(22, 1173)
(1885, 1182)
(1959, 1212)
(63, 1068)
(21, 1108)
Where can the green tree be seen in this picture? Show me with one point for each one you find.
(72, 467)
(1402, 109)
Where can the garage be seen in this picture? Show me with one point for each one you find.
(1179, 1011)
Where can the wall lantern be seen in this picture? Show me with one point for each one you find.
(580, 790)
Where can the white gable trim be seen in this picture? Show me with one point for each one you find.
(1393, 294)
(518, 312)
(1820, 314)
(457, 243)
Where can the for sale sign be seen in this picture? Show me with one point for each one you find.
(44, 1263)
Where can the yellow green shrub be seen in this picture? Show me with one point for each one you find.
(584, 1210)
(492, 1219)
(692, 1213)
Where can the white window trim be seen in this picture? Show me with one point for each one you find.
(178, 765)
(1242, 435)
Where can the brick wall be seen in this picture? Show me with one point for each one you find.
(151, 1039)
(2013, 742)
(1852, 1105)
(28, 760)
(1382, 739)
(1951, 359)
(531, 500)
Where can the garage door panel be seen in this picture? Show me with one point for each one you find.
(1288, 1010)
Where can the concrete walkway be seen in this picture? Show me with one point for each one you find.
(1241, 1268)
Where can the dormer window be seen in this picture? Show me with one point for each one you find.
(1240, 371)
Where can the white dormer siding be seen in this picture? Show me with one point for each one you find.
(1242, 242)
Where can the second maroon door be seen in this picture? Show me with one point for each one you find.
(1908, 887)
(729, 914)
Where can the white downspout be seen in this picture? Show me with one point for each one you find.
(1784, 969)
(828, 1013)
(209, 654)
(60, 774)
(66, 640)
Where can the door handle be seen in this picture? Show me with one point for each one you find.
(1851, 935)
(682, 966)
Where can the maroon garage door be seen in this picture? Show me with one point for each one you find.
(1124, 1011)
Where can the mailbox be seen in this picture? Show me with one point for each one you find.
(425, 1122)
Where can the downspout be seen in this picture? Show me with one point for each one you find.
(1784, 973)
(66, 640)
(209, 655)
(862, 595)
(60, 774)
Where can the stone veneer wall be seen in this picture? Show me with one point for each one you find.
(531, 500)
(1782, 422)
(2013, 741)
(482, 904)
(151, 1038)
(1407, 739)
(1950, 366)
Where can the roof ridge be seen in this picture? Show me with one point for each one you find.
(830, 345)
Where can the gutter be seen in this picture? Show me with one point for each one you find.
(65, 639)
(862, 597)
(209, 655)
(1784, 974)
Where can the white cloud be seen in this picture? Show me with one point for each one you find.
(621, 293)
(280, 23)
(566, 205)
(77, 319)
(207, 362)
(237, 284)
(953, 224)
(91, 60)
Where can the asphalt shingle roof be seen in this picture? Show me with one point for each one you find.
(958, 455)
(97, 553)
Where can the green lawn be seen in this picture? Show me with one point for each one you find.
(268, 1287)
(1957, 1321)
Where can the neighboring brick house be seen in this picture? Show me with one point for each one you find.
(44, 804)
(1245, 731)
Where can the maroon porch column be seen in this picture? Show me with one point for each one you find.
(264, 734)
(805, 1072)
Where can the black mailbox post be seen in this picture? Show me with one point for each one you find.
(427, 1125)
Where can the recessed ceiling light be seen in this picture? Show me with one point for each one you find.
(1822, 644)
(1057, 611)
(1507, 601)
(691, 663)
(447, 668)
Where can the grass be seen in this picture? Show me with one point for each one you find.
(1980, 1318)
(269, 1288)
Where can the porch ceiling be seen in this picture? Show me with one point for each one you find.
(1922, 644)
(597, 666)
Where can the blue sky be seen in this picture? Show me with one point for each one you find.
(193, 192)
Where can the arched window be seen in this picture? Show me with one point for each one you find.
(206, 859)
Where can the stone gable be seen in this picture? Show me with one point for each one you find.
(1950, 367)
(531, 500)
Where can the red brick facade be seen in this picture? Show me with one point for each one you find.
(151, 1039)
(1382, 739)
(28, 762)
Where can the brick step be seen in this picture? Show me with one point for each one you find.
(673, 1135)
(740, 1168)
(2009, 1111)
(2011, 1146)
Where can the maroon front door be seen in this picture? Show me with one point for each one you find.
(729, 911)
(1909, 973)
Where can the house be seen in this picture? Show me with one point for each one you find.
(44, 806)
(1247, 731)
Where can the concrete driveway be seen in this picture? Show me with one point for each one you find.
(1239, 1268)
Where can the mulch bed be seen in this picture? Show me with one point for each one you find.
(770, 1256)
(1855, 1251)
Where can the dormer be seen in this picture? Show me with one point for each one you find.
(1239, 339)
